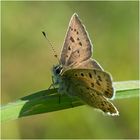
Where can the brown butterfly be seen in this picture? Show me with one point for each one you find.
(80, 75)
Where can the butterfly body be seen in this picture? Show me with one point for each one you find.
(81, 76)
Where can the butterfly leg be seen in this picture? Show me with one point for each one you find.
(59, 100)
(61, 92)
(50, 86)
(53, 84)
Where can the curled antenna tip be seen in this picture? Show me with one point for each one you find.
(44, 33)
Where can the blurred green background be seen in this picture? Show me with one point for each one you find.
(27, 60)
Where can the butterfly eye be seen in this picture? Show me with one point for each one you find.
(58, 69)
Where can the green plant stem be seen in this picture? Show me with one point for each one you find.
(49, 100)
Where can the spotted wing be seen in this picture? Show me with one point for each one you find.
(81, 83)
(95, 79)
(94, 99)
(77, 46)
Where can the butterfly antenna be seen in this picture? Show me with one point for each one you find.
(55, 54)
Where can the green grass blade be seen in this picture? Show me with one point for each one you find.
(49, 100)
(126, 89)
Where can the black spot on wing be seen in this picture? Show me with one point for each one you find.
(107, 93)
(80, 43)
(94, 72)
(72, 40)
(69, 48)
(77, 51)
(108, 89)
(90, 75)
(97, 82)
(71, 28)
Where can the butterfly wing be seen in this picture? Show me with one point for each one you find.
(88, 86)
(90, 64)
(94, 99)
(77, 46)
(97, 80)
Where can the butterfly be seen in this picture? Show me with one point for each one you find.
(81, 76)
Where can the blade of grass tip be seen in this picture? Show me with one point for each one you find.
(127, 89)
(13, 110)
(126, 85)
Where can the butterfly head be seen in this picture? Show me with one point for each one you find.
(57, 70)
